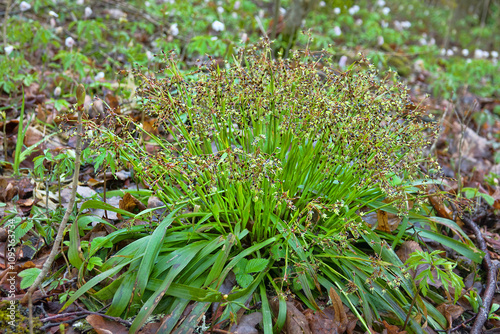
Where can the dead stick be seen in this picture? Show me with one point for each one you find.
(491, 280)
(60, 232)
(487, 297)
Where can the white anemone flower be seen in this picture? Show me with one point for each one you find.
(8, 49)
(337, 31)
(69, 42)
(218, 26)
(99, 76)
(174, 30)
(343, 61)
(24, 6)
(88, 12)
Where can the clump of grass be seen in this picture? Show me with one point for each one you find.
(266, 172)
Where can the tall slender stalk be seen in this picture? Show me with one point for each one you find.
(60, 233)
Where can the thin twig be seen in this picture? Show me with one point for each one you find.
(491, 280)
(482, 315)
(60, 233)
(84, 312)
(456, 328)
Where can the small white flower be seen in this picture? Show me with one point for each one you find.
(8, 49)
(343, 61)
(337, 31)
(384, 24)
(150, 55)
(386, 10)
(353, 10)
(54, 14)
(244, 37)
(234, 15)
(423, 41)
(69, 42)
(494, 54)
(236, 5)
(468, 60)
(147, 4)
(486, 54)
(406, 24)
(24, 6)
(442, 52)
(214, 38)
(397, 25)
(380, 40)
(220, 10)
(282, 11)
(478, 53)
(322, 4)
(88, 12)
(99, 76)
(432, 41)
(57, 91)
(336, 10)
(381, 3)
(449, 52)
(80, 2)
(358, 22)
(465, 52)
(218, 26)
(174, 30)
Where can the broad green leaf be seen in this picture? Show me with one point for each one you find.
(29, 276)
(256, 265)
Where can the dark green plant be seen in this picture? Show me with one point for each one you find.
(270, 162)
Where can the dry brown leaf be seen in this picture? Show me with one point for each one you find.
(131, 204)
(450, 312)
(340, 315)
(112, 102)
(247, 323)
(387, 222)
(105, 326)
(383, 222)
(150, 328)
(391, 329)
(296, 322)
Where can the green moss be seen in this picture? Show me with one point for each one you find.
(14, 319)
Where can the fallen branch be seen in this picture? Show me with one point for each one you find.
(482, 315)
(80, 93)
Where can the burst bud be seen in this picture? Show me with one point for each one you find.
(80, 95)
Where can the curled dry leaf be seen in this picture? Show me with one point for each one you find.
(296, 322)
(340, 315)
(391, 329)
(450, 312)
(247, 324)
(105, 326)
(131, 204)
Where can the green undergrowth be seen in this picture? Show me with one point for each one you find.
(265, 168)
